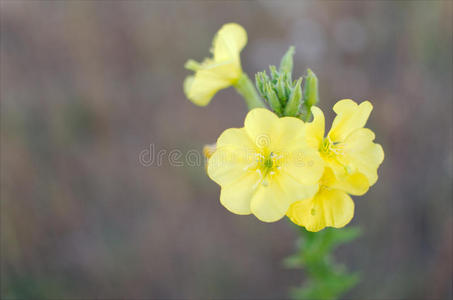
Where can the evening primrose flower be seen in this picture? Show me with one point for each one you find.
(265, 166)
(348, 149)
(220, 71)
(331, 206)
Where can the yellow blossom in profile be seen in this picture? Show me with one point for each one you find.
(265, 166)
(220, 71)
(331, 206)
(348, 149)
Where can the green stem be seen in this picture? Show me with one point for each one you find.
(246, 89)
(326, 279)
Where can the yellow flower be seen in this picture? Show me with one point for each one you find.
(331, 206)
(219, 72)
(265, 166)
(348, 148)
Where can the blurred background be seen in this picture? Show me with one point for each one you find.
(86, 86)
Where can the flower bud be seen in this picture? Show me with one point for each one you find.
(286, 64)
(311, 96)
(311, 89)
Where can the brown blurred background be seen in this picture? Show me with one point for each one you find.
(87, 85)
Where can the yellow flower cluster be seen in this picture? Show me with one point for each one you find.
(351, 161)
(274, 166)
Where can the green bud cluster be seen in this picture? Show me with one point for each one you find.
(283, 94)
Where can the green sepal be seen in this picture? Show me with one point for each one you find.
(260, 80)
(281, 91)
(192, 65)
(273, 100)
(295, 100)
(274, 72)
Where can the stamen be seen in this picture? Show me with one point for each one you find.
(266, 166)
(249, 166)
(259, 180)
(330, 148)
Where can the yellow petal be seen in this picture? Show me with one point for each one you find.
(226, 166)
(280, 134)
(237, 196)
(362, 154)
(337, 168)
(329, 208)
(188, 84)
(354, 184)
(350, 117)
(208, 80)
(228, 42)
(274, 197)
(263, 127)
(337, 177)
(233, 157)
(290, 135)
(315, 129)
(236, 138)
(294, 189)
(304, 164)
(268, 204)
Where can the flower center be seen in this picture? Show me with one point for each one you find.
(334, 151)
(266, 165)
(330, 149)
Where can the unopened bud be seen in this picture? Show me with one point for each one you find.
(286, 64)
(311, 89)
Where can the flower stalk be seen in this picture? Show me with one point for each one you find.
(246, 89)
(326, 279)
